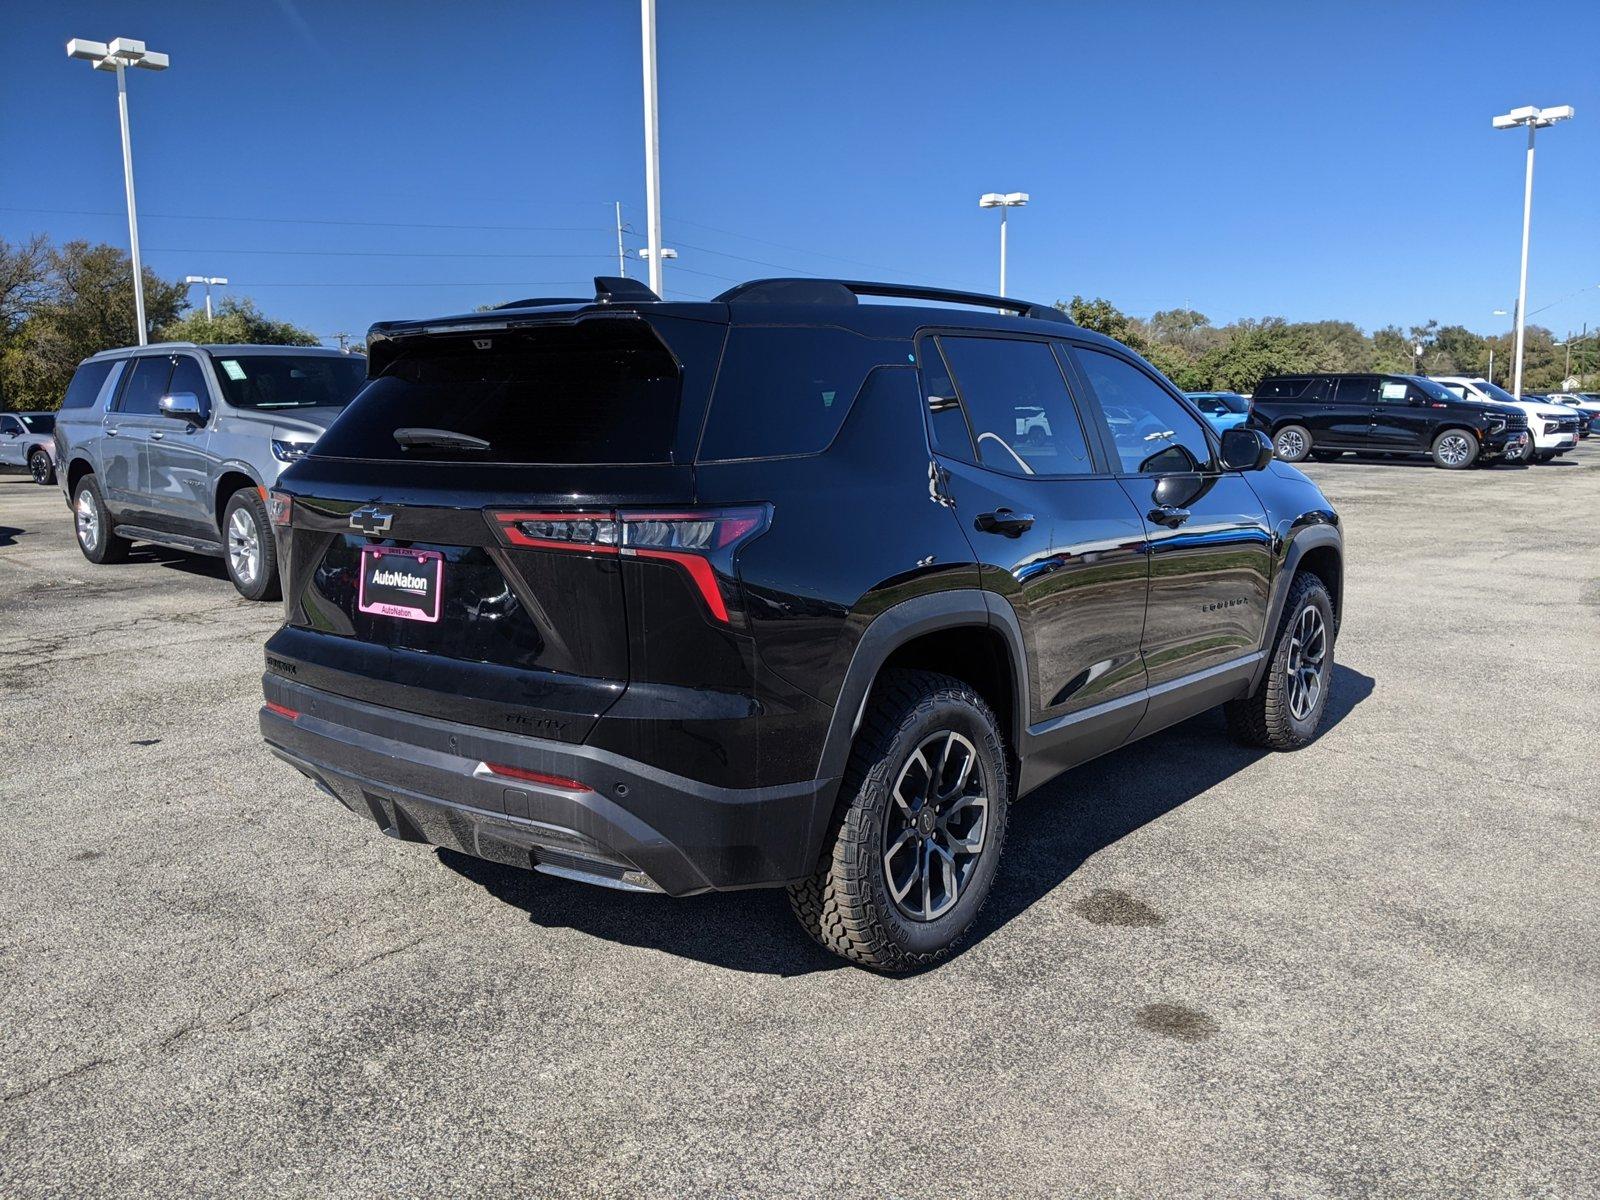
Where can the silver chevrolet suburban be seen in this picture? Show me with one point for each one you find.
(177, 444)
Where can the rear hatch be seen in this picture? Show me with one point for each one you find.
(455, 540)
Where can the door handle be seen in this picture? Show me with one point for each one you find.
(156, 435)
(1169, 515)
(111, 431)
(1003, 520)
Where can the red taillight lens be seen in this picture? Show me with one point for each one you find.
(592, 532)
(701, 541)
(280, 507)
(283, 710)
(539, 777)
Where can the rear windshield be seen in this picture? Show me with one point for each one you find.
(599, 392)
(283, 381)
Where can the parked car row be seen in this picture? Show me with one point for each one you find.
(1457, 421)
(783, 589)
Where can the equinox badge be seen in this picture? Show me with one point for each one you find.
(371, 520)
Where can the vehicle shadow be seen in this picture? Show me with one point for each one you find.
(1053, 832)
(8, 535)
(178, 560)
(1414, 463)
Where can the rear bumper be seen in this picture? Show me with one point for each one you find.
(638, 828)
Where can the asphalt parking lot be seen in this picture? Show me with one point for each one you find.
(1368, 968)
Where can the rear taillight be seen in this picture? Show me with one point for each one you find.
(280, 507)
(283, 710)
(701, 541)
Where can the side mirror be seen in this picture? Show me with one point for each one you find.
(185, 406)
(1245, 449)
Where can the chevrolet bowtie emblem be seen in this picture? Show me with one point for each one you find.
(371, 520)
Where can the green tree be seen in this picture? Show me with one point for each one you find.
(1102, 316)
(237, 322)
(85, 306)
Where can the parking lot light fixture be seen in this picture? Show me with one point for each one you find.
(1534, 118)
(208, 280)
(657, 279)
(118, 55)
(1003, 201)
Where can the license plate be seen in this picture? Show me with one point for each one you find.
(401, 583)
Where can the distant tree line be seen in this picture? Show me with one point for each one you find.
(61, 303)
(1199, 356)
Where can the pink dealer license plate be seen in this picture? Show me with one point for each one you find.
(401, 583)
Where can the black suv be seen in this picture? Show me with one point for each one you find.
(1323, 415)
(779, 589)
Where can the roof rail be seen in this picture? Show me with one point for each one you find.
(845, 291)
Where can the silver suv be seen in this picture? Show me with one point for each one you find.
(177, 444)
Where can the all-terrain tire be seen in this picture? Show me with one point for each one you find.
(846, 904)
(91, 521)
(1266, 718)
(250, 546)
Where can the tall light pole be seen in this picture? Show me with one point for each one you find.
(208, 280)
(1535, 119)
(652, 145)
(1002, 201)
(119, 54)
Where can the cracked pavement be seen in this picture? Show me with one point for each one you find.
(1369, 968)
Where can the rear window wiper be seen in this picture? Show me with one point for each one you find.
(448, 439)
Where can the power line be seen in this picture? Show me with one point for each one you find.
(96, 212)
(373, 253)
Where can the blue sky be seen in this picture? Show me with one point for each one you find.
(350, 162)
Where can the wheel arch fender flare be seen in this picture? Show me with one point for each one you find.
(897, 626)
(1308, 532)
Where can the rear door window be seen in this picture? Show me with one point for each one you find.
(1357, 389)
(86, 382)
(786, 390)
(143, 389)
(599, 392)
(1022, 417)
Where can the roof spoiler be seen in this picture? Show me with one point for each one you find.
(606, 289)
(846, 291)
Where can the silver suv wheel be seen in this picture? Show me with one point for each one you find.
(87, 519)
(244, 546)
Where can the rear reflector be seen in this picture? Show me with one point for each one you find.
(280, 507)
(539, 777)
(282, 710)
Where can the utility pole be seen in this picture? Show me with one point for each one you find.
(652, 145)
(622, 255)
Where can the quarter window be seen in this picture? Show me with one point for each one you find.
(1152, 431)
(85, 386)
(1022, 417)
